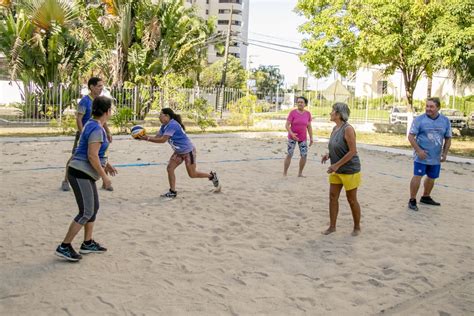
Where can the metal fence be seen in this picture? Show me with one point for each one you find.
(52, 104)
(41, 106)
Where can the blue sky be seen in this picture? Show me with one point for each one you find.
(275, 21)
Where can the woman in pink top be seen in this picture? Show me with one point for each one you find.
(297, 124)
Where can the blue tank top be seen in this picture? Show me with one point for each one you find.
(92, 132)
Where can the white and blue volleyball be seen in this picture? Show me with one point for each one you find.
(137, 131)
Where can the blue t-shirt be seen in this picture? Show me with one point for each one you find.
(92, 133)
(85, 108)
(430, 134)
(178, 140)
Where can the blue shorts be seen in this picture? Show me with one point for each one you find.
(432, 171)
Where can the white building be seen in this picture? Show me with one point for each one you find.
(239, 28)
(370, 82)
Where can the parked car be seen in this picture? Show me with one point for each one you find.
(457, 119)
(399, 115)
(470, 120)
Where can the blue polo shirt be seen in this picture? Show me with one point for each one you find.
(85, 108)
(178, 140)
(430, 134)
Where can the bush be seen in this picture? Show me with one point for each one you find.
(67, 124)
(242, 111)
(122, 119)
(202, 114)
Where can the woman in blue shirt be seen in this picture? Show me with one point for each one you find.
(88, 165)
(173, 131)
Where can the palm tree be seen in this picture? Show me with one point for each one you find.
(143, 39)
(38, 41)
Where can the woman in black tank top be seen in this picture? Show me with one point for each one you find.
(344, 170)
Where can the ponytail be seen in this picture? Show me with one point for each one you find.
(173, 116)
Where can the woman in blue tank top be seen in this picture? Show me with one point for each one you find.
(344, 170)
(88, 165)
(173, 131)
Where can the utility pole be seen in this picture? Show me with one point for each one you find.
(249, 66)
(226, 58)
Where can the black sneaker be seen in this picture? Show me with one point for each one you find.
(93, 247)
(68, 253)
(214, 179)
(412, 205)
(170, 194)
(428, 200)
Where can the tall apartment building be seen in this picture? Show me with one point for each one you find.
(239, 28)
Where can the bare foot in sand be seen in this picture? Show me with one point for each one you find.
(356, 232)
(301, 176)
(328, 231)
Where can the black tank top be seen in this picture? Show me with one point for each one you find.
(338, 148)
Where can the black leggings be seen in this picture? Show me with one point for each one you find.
(86, 195)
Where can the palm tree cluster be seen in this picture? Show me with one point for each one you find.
(47, 42)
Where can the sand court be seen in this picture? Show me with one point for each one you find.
(253, 249)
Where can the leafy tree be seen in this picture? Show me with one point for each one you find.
(401, 34)
(39, 42)
(235, 78)
(455, 35)
(139, 40)
(268, 79)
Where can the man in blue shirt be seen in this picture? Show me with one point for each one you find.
(430, 136)
(83, 114)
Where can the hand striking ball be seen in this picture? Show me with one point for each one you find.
(137, 131)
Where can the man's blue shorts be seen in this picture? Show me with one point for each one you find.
(432, 171)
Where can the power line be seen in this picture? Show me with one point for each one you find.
(279, 45)
(274, 37)
(270, 48)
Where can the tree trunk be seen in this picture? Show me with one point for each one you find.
(430, 85)
(410, 81)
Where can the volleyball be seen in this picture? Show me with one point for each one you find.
(137, 131)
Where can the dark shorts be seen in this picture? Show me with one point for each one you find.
(188, 158)
(432, 171)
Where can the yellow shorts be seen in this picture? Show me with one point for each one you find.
(349, 181)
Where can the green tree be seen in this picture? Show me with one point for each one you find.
(268, 79)
(42, 47)
(139, 40)
(401, 34)
(38, 40)
(455, 36)
(235, 78)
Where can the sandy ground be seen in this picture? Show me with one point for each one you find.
(253, 249)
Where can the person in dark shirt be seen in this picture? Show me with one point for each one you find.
(344, 170)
